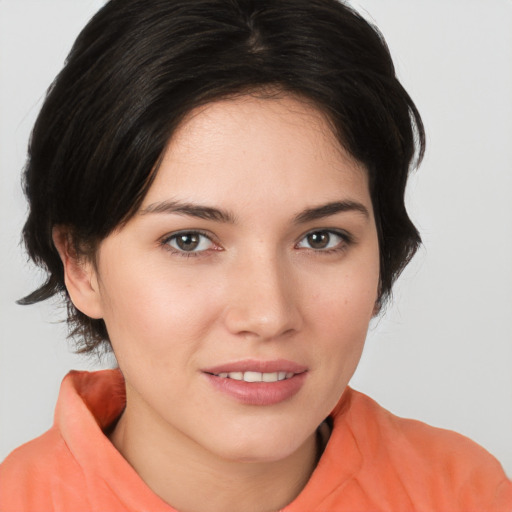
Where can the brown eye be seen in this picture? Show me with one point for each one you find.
(319, 239)
(191, 241)
(322, 240)
(187, 241)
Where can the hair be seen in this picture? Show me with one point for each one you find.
(140, 66)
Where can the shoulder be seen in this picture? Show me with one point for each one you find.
(30, 470)
(434, 464)
(407, 436)
(52, 471)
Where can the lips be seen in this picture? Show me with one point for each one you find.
(251, 376)
(256, 365)
(255, 382)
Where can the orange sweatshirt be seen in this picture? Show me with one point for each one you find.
(374, 461)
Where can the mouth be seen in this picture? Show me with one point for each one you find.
(256, 370)
(254, 382)
(251, 376)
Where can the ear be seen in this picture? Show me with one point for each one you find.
(377, 307)
(80, 276)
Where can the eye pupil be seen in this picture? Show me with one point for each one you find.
(187, 241)
(319, 239)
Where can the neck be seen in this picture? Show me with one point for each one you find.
(176, 468)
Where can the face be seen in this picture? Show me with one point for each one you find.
(254, 257)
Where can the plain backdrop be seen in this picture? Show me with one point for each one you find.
(442, 353)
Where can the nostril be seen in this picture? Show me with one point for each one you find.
(261, 300)
(248, 322)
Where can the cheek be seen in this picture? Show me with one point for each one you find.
(342, 311)
(153, 305)
(347, 298)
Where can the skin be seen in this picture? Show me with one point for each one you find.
(254, 288)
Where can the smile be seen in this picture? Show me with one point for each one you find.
(251, 376)
(256, 382)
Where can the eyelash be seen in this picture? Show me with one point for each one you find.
(187, 254)
(346, 241)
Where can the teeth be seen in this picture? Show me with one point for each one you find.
(269, 377)
(253, 377)
(257, 376)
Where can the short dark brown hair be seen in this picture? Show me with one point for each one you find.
(137, 69)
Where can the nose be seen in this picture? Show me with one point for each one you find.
(263, 299)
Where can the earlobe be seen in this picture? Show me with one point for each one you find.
(80, 275)
(377, 307)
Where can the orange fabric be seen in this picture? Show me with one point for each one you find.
(374, 461)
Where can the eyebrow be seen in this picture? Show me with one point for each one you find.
(191, 210)
(220, 215)
(326, 210)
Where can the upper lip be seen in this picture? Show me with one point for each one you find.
(256, 365)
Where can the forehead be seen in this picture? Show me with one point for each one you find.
(247, 147)
(250, 117)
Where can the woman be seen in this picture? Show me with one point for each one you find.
(217, 188)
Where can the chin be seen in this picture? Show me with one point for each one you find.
(261, 449)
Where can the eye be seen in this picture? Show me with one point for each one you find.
(323, 240)
(189, 242)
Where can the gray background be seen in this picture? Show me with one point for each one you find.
(442, 353)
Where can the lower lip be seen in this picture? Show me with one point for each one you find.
(258, 393)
